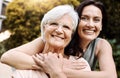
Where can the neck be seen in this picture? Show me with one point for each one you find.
(84, 44)
(53, 49)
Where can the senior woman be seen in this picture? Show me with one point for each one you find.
(58, 26)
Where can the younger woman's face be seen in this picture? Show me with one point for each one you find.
(90, 23)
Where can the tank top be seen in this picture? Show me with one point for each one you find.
(89, 55)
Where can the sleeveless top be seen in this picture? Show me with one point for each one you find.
(89, 55)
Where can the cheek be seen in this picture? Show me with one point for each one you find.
(81, 24)
(47, 32)
(45, 35)
(99, 27)
(68, 36)
(80, 27)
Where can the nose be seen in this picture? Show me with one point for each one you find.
(59, 29)
(90, 23)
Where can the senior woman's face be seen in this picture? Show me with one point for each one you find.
(90, 23)
(58, 33)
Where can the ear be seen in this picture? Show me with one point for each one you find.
(45, 26)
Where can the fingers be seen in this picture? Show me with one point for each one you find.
(39, 63)
(78, 65)
(74, 64)
(40, 56)
(37, 67)
(52, 54)
(38, 60)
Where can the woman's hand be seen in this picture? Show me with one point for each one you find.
(49, 62)
(75, 65)
(71, 63)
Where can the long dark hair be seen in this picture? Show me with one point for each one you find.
(73, 47)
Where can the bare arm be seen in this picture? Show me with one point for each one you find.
(106, 64)
(21, 57)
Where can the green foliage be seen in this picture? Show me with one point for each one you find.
(2, 48)
(23, 19)
(113, 10)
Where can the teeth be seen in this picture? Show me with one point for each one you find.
(57, 37)
(90, 31)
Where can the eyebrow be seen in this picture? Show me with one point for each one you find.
(88, 16)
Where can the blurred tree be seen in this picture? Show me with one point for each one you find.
(23, 19)
(113, 10)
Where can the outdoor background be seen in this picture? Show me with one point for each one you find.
(24, 17)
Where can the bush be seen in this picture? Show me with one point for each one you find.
(2, 48)
(23, 19)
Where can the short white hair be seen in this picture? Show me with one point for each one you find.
(56, 13)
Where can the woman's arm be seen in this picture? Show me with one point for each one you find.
(21, 57)
(106, 64)
(105, 58)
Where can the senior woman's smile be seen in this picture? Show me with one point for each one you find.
(58, 37)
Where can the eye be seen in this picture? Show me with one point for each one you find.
(84, 18)
(97, 20)
(53, 24)
(66, 27)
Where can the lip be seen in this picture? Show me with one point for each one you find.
(88, 31)
(56, 36)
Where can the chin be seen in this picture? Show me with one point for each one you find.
(90, 38)
(58, 45)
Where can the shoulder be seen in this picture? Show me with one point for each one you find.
(103, 42)
(103, 46)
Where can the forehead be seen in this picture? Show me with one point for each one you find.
(92, 10)
(65, 19)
